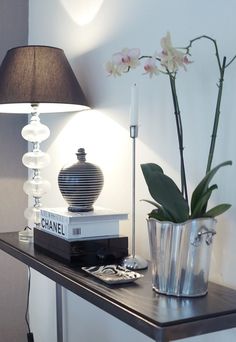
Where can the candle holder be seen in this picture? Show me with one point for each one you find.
(134, 262)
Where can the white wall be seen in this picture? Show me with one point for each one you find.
(104, 130)
(13, 201)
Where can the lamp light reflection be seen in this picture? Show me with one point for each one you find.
(103, 148)
(81, 11)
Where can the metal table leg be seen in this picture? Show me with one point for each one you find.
(59, 313)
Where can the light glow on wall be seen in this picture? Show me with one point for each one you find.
(97, 133)
(82, 11)
(104, 141)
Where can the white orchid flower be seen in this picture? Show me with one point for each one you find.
(150, 67)
(112, 69)
(126, 59)
(171, 58)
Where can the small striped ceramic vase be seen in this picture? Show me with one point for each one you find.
(80, 184)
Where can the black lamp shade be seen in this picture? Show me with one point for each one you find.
(41, 75)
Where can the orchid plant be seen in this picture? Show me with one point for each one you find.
(172, 203)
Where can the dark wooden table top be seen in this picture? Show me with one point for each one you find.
(163, 318)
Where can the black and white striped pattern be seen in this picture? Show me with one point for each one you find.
(80, 184)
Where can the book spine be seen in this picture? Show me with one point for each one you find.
(61, 217)
(79, 230)
(55, 217)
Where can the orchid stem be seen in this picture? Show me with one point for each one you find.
(219, 96)
(217, 115)
(180, 136)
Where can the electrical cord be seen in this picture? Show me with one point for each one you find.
(30, 336)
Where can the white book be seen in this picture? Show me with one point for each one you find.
(61, 214)
(80, 230)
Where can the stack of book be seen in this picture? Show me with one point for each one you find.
(89, 238)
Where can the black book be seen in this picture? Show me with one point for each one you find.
(84, 252)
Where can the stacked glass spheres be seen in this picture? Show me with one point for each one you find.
(35, 132)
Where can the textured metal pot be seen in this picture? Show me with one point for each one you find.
(180, 256)
(80, 184)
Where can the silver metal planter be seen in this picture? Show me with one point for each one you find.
(180, 256)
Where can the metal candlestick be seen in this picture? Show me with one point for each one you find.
(134, 262)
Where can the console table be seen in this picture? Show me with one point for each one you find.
(162, 318)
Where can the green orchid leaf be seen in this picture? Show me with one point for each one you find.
(161, 211)
(201, 205)
(203, 185)
(164, 191)
(152, 167)
(204, 208)
(218, 210)
(153, 203)
(159, 215)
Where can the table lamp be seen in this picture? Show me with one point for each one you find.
(37, 79)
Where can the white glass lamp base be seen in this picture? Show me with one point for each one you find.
(26, 235)
(135, 263)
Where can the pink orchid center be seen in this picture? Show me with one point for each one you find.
(126, 59)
